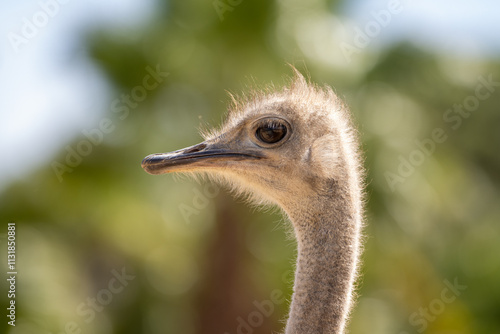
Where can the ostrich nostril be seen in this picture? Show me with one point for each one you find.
(196, 148)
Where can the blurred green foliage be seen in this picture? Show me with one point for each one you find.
(201, 273)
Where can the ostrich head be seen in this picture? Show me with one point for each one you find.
(278, 147)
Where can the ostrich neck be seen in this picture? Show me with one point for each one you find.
(327, 238)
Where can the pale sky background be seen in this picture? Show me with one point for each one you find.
(461, 27)
(50, 91)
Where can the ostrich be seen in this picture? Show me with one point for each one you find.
(295, 148)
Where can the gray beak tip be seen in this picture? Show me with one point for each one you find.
(152, 164)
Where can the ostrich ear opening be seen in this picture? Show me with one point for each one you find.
(325, 155)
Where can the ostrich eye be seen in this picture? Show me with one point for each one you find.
(271, 132)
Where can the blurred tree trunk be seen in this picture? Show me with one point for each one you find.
(227, 293)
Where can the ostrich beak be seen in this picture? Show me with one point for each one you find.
(205, 155)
